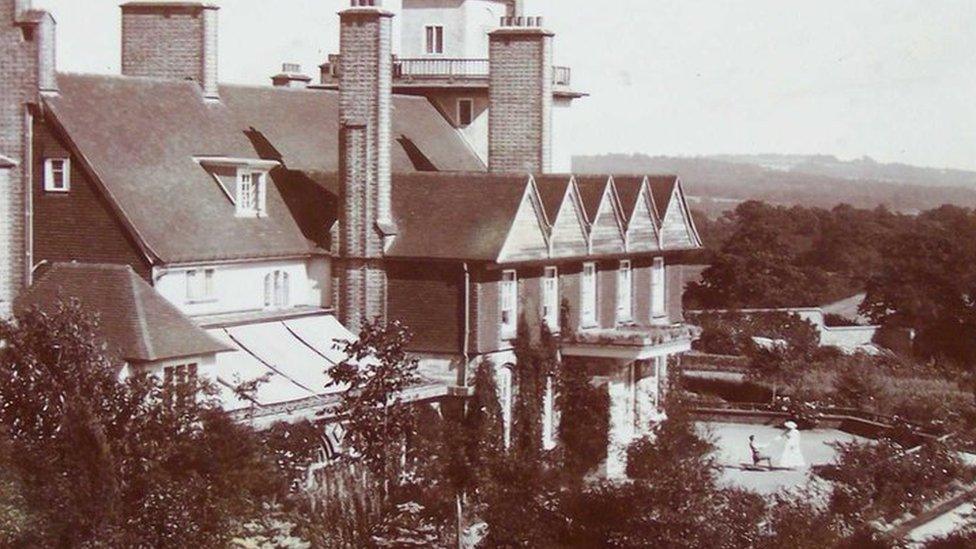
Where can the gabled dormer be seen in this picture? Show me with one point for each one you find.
(565, 216)
(678, 230)
(527, 238)
(244, 181)
(607, 228)
(637, 205)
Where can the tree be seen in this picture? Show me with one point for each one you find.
(119, 463)
(928, 282)
(375, 372)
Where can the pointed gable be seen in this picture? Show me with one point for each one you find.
(678, 230)
(564, 212)
(527, 239)
(604, 215)
(637, 205)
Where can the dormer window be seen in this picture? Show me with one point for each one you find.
(251, 193)
(57, 175)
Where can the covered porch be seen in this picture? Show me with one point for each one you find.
(632, 361)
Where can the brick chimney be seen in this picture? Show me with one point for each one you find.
(520, 96)
(365, 95)
(27, 69)
(174, 40)
(291, 76)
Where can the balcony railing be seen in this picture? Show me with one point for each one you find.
(437, 68)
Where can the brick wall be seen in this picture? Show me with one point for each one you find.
(172, 42)
(78, 225)
(18, 87)
(520, 99)
(365, 95)
(429, 299)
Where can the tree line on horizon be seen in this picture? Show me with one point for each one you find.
(715, 185)
(917, 271)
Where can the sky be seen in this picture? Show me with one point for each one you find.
(891, 79)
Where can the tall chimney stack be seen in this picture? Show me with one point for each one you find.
(366, 222)
(27, 69)
(520, 96)
(173, 40)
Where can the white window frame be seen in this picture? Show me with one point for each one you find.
(251, 193)
(200, 285)
(433, 39)
(177, 373)
(49, 170)
(550, 298)
(469, 101)
(659, 296)
(589, 296)
(508, 304)
(625, 291)
(277, 290)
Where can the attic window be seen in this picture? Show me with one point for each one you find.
(57, 175)
(251, 193)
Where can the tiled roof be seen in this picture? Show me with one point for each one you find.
(137, 323)
(628, 190)
(552, 190)
(591, 189)
(140, 137)
(662, 187)
(454, 216)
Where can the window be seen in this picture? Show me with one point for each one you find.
(199, 285)
(659, 308)
(465, 112)
(179, 383)
(624, 297)
(588, 295)
(57, 175)
(508, 290)
(435, 39)
(251, 193)
(276, 290)
(550, 298)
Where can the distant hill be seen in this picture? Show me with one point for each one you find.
(717, 183)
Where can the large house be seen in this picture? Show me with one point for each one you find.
(236, 232)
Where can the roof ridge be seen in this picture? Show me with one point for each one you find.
(140, 313)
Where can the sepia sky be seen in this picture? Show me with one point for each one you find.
(891, 79)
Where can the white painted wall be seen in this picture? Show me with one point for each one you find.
(240, 287)
(562, 150)
(466, 24)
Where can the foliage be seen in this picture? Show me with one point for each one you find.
(731, 333)
(883, 479)
(375, 372)
(344, 509)
(119, 463)
(585, 421)
(293, 446)
(273, 530)
(928, 282)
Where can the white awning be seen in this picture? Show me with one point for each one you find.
(295, 355)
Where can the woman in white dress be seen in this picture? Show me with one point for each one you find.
(792, 457)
